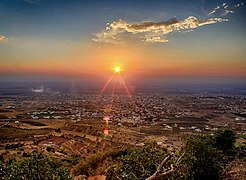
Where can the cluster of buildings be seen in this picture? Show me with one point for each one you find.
(170, 111)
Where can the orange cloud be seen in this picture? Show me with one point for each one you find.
(2, 37)
(117, 31)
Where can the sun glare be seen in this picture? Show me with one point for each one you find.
(117, 69)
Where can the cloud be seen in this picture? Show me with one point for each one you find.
(239, 4)
(32, 1)
(121, 30)
(2, 37)
(155, 39)
(224, 9)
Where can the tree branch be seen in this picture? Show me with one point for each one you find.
(163, 163)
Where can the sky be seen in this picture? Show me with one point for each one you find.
(195, 40)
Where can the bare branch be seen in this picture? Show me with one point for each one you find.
(134, 175)
(163, 163)
(168, 172)
(179, 159)
(142, 166)
(159, 168)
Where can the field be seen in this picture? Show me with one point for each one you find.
(73, 130)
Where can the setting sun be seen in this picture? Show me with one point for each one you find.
(117, 69)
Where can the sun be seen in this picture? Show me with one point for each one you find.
(117, 69)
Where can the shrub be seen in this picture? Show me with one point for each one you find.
(225, 141)
(87, 166)
(50, 149)
(37, 166)
(138, 163)
(201, 160)
(205, 157)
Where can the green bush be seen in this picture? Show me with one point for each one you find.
(138, 163)
(35, 167)
(87, 166)
(225, 141)
(50, 149)
(205, 157)
(201, 159)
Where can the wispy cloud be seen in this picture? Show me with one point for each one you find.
(32, 1)
(155, 39)
(121, 30)
(224, 9)
(2, 37)
(238, 5)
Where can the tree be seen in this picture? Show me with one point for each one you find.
(225, 141)
(35, 167)
(161, 172)
(50, 149)
(138, 163)
(201, 159)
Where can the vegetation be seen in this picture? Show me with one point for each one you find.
(138, 163)
(225, 141)
(33, 123)
(50, 149)
(202, 160)
(3, 116)
(35, 167)
(201, 157)
(13, 146)
(88, 166)
(204, 157)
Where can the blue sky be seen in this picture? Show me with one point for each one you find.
(70, 19)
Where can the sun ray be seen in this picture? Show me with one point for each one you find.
(113, 92)
(124, 85)
(106, 85)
